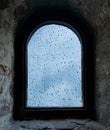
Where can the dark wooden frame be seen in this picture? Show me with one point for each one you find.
(25, 28)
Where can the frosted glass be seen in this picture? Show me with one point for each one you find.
(54, 68)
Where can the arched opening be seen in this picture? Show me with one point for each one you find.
(53, 74)
(54, 62)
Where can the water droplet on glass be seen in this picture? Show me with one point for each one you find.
(54, 68)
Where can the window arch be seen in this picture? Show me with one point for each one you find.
(52, 53)
(54, 67)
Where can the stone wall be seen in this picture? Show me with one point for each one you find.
(97, 12)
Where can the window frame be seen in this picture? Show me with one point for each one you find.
(22, 34)
(64, 24)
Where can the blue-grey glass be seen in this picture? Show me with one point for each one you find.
(54, 68)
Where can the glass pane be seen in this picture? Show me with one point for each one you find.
(54, 68)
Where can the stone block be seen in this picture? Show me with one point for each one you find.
(4, 70)
(4, 107)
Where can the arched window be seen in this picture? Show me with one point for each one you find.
(53, 68)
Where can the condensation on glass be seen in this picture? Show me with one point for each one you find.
(54, 68)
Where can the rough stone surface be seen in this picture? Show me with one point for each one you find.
(4, 70)
(97, 12)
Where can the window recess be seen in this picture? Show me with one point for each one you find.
(54, 69)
